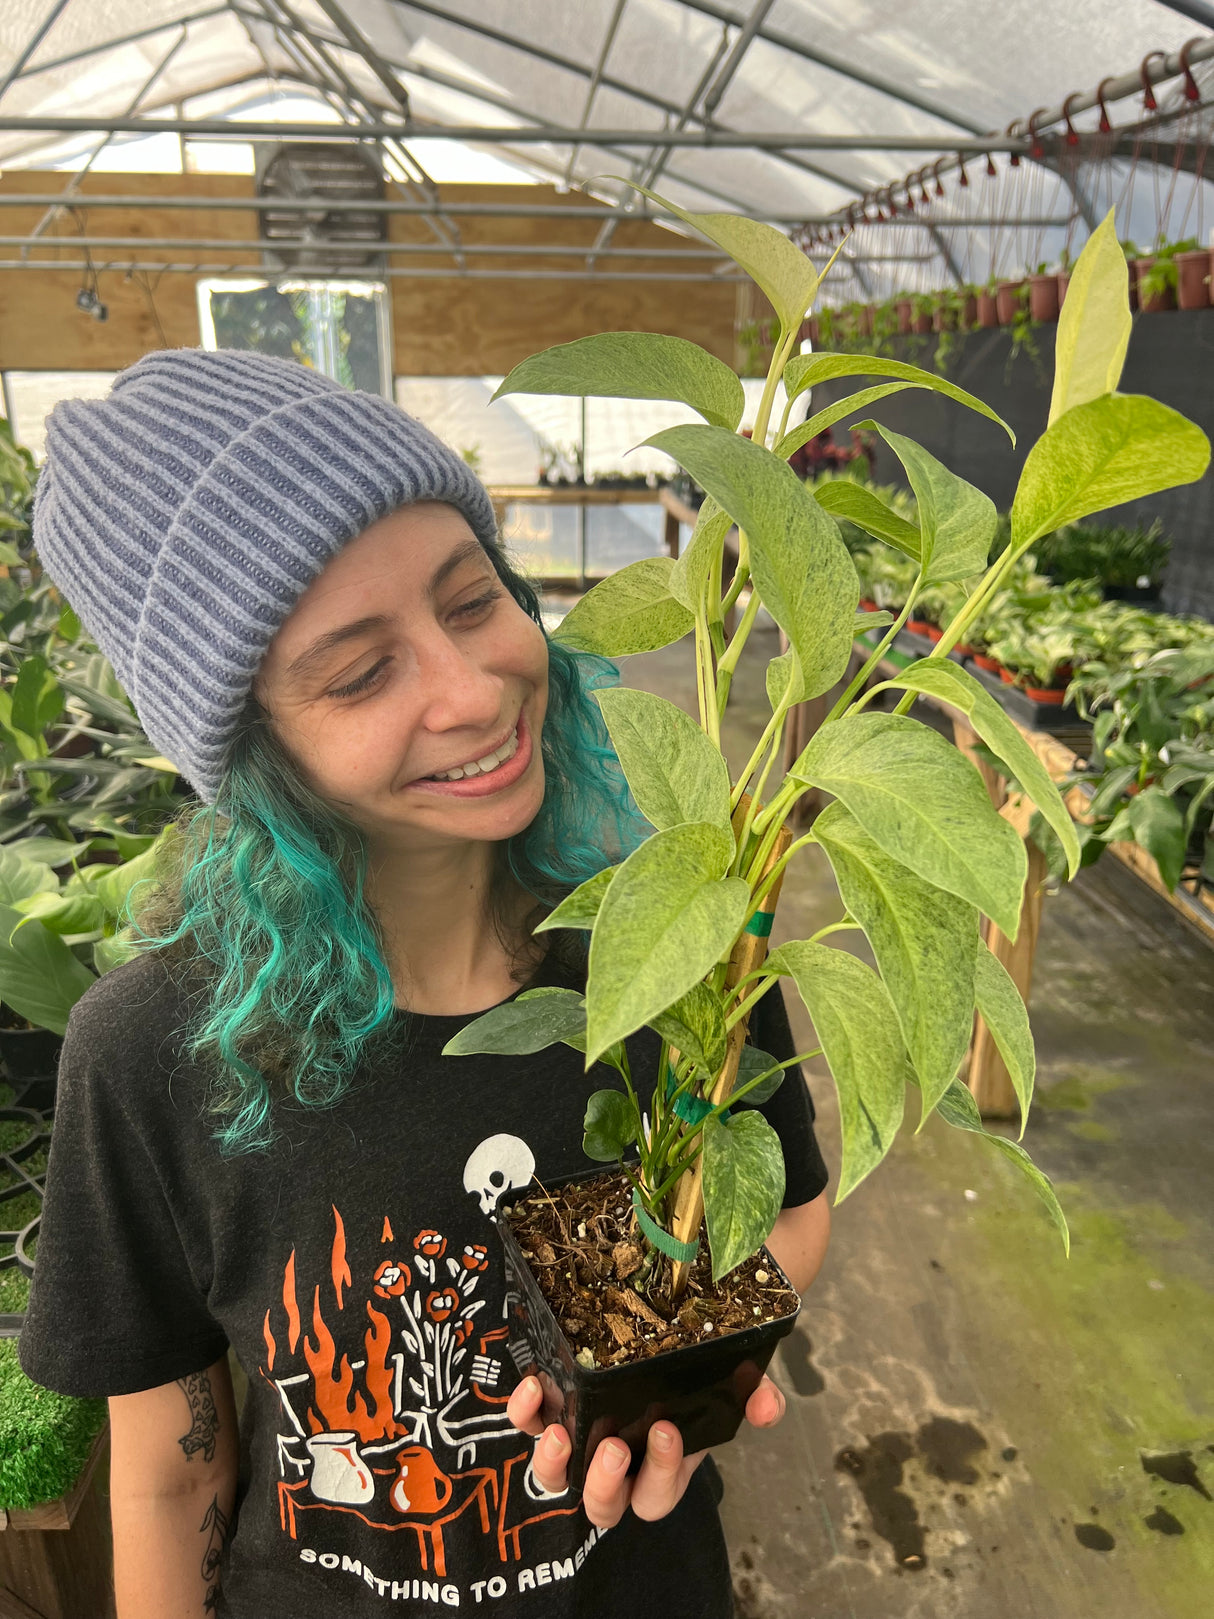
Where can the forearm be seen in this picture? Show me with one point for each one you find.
(167, 1549)
(799, 1240)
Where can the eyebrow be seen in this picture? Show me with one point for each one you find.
(315, 655)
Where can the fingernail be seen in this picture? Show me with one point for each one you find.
(530, 1386)
(558, 1441)
(661, 1438)
(615, 1458)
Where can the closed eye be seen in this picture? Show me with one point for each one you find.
(366, 681)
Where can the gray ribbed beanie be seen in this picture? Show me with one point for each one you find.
(184, 515)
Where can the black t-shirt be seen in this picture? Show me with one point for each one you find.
(356, 1274)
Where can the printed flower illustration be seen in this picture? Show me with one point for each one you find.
(390, 1280)
(431, 1243)
(475, 1256)
(442, 1304)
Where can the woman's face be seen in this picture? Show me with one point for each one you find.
(407, 657)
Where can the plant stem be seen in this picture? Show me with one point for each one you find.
(874, 657)
(741, 578)
(728, 660)
(743, 1008)
(773, 876)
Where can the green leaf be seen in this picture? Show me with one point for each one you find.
(40, 978)
(695, 1026)
(779, 268)
(10, 557)
(857, 504)
(958, 1108)
(947, 681)
(783, 680)
(630, 611)
(1094, 326)
(857, 1028)
(956, 521)
(634, 365)
(751, 1063)
(114, 886)
(62, 913)
(112, 952)
(50, 851)
(666, 920)
(690, 575)
(1157, 825)
(21, 877)
(924, 804)
(526, 1024)
(675, 772)
(1004, 1014)
(610, 1125)
(805, 370)
(743, 1187)
(579, 909)
(37, 699)
(923, 939)
(830, 414)
(1099, 454)
(799, 563)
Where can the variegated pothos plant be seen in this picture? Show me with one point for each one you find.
(918, 852)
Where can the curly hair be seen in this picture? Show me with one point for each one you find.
(260, 902)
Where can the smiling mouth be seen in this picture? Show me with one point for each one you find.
(484, 766)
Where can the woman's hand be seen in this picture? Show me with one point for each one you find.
(657, 1489)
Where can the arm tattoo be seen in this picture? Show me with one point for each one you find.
(216, 1528)
(204, 1417)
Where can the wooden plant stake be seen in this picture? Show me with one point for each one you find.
(748, 954)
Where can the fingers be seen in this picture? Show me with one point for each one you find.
(766, 1405)
(607, 1488)
(550, 1460)
(659, 1485)
(523, 1406)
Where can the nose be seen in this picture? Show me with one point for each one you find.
(461, 693)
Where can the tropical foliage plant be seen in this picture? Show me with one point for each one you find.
(917, 850)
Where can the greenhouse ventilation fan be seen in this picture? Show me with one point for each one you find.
(329, 171)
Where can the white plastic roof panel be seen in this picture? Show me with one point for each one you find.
(933, 69)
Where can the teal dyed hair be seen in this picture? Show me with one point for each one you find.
(263, 903)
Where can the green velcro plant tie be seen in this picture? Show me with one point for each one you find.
(691, 1109)
(760, 924)
(683, 1252)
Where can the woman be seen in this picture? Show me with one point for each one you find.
(258, 1144)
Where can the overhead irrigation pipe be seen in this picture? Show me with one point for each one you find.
(393, 273)
(497, 134)
(1154, 69)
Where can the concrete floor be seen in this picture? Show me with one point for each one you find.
(979, 1428)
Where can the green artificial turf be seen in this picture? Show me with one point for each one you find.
(45, 1438)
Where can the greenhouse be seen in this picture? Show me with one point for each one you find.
(728, 1138)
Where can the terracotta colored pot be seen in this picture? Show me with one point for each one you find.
(944, 320)
(866, 320)
(1006, 675)
(983, 662)
(1043, 297)
(988, 309)
(969, 313)
(921, 324)
(934, 632)
(1063, 279)
(964, 650)
(918, 626)
(1161, 300)
(903, 310)
(1007, 301)
(868, 605)
(1054, 695)
(1193, 279)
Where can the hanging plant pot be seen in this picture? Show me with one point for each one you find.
(987, 309)
(903, 311)
(1007, 300)
(1152, 303)
(1043, 297)
(697, 1371)
(865, 320)
(1193, 279)
(921, 324)
(969, 313)
(944, 320)
(1063, 278)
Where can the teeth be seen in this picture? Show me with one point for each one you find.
(481, 767)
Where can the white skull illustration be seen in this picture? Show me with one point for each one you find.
(499, 1164)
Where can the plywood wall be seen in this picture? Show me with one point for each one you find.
(444, 325)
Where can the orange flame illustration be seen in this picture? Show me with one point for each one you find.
(334, 1384)
(340, 1268)
(271, 1346)
(290, 1303)
(386, 1235)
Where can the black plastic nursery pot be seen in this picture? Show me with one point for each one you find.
(30, 1053)
(702, 1388)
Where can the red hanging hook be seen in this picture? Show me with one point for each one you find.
(1036, 150)
(991, 170)
(925, 196)
(1014, 128)
(1106, 123)
(1191, 92)
(908, 186)
(963, 178)
(1149, 103)
(936, 172)
(1072, 134)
